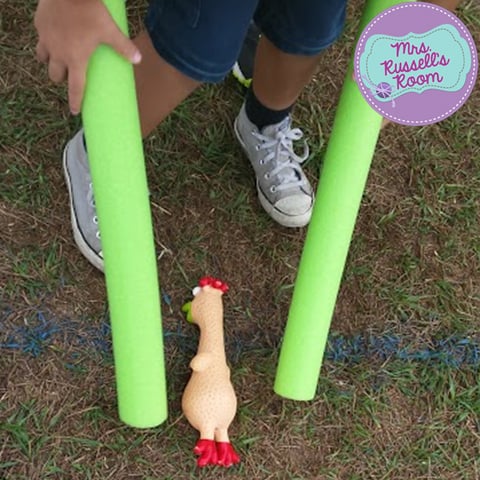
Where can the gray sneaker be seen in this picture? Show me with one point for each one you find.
(82, 202)
(283, 189)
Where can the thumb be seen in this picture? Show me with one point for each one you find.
(124, 46)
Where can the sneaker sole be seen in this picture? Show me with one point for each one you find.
(82, 244)
(283, 219)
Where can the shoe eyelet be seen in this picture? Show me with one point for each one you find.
(95, 220)
(98, 235)
(257, 147)
(262, 162)
(266, 176)
(273, 189)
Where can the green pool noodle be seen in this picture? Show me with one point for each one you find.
(115, 152)
(342, 181)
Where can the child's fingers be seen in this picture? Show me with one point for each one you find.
(76, 87)
(41, 53)
(122, 44)
(57, 71)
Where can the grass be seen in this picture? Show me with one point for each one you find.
(412, 275)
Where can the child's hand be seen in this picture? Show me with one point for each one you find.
(68, 33)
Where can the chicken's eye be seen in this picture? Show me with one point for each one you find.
(195, 291)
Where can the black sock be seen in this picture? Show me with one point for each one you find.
(260, 115)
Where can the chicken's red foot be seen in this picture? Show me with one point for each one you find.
(227, 456)
(207, 452)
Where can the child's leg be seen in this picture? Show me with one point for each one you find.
(160, 87)
(293, 35)
(186, 43)
(278, 77)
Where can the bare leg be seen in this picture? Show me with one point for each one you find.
(278, 77)
(160, 87)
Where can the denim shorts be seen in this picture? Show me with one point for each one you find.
(202, 38)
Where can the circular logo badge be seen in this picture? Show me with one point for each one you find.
(416, 63)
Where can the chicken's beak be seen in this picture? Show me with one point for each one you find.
(187, 308)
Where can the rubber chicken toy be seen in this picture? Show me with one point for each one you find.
(209, 402)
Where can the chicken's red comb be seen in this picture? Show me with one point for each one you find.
(213, 282)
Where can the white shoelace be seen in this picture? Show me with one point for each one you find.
(286, 161)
